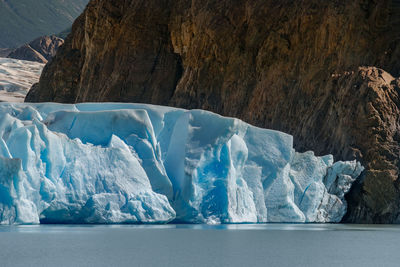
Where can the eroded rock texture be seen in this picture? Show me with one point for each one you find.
(294, 66)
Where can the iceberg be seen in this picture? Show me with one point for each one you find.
(137, 163)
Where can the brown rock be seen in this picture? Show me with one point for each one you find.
(40, 50)
(26, 52)
(47, 46)
(294, 66)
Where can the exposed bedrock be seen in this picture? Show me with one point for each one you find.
(323, 71)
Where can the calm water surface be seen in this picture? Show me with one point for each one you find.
(199, 245)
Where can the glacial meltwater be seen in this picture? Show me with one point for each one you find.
(200, 245)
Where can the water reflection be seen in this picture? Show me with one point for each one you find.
(235, 227)
(172, 245)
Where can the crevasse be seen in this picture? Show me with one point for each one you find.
(137, 163)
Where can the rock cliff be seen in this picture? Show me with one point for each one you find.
(323, 71)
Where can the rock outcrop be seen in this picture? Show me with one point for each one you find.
(41, 49)
(322, 71)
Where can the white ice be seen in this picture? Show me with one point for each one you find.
(137, 163)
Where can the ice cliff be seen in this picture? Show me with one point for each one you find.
(134, 163)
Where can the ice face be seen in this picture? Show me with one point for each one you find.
(137, 163)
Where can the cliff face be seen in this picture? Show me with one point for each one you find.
(294, 66)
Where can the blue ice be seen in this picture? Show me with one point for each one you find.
(137, 163)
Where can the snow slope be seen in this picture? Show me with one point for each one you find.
(17, 77)
(136, 163)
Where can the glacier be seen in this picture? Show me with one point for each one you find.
(17, 77)
(138, 163)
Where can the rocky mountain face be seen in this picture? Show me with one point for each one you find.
(41, 49)
(23, 20)
(323, 71)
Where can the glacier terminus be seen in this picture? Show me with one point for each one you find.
(138, 163)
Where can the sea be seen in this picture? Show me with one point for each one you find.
(200, 245)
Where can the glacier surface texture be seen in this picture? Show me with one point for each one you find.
(17, 77)
(137, 163)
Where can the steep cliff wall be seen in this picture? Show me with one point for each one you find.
(322, 71)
